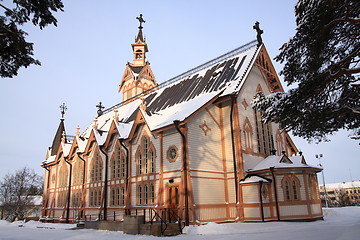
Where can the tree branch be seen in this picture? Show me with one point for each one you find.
(7, 9)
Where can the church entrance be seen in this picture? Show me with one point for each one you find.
(173, 201)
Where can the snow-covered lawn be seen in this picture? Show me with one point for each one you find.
(339, 224)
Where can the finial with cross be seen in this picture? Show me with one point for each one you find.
(141, 21)
(259, 32)
(100, 109)
(63, 108)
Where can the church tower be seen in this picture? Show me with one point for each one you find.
(138, 76)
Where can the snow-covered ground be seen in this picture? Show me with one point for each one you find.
(339, 224)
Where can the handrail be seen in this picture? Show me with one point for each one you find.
(151, 215)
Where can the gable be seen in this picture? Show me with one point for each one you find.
(264, 63)
(128, 74)
(147, 73)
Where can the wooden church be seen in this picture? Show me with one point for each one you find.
(191, 147)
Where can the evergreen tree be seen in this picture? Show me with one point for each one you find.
(322, 61)
(15, 51)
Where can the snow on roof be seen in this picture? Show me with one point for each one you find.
(100, 137)
(81, 144)
(124, 129)
(124, 114)
(49, 159)
(66, 148)
(178, 99)
(224, 75)
(254, 179)
(353, 184)
(279, 162)
(179, 111)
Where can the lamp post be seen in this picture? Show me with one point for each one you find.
(323, 177)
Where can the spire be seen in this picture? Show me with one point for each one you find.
(140, 37)
(59, 133)
(138, 76)
(140, 47)
(58, 137)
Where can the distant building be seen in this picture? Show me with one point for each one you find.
(341, 194)
(32, 210)
(191, 146)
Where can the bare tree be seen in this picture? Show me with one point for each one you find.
(17, 192)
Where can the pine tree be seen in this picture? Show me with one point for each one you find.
(322, 61)
(15, 51)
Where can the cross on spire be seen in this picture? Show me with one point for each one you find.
(141, 21)
(100, 109)
(259, 32)
(63, 109)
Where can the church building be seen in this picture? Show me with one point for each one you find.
(192, 147)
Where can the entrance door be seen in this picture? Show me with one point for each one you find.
(173, 201)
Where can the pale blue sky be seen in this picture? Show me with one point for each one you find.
(83, 60)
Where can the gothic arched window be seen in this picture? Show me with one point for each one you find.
(279, 142)
(291, 188)
(264, 132)
(145, 157)
(78, 172)
(96, 168)
(248, 135)
(64, 175)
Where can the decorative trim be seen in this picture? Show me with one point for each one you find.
(169, 153)
(205, 128)
(245, 104)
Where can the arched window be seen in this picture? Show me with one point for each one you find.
(112, 197)
(145, 164)
(140, 195)
(122, 196)
(146, 194)
(145, 157)
(145, 151)
(95, 197)
(264, 134)
(118, 165)
(314, 190)
(152, 163)
(78, 172)
(139, 163)
(96, 168)
(287, 190)
(123, 166)
(64, 175)
(294, 190)
(138, 54)
(291, 188)
(248, 135)
(113, 168)
(76, 198)
(152, 193)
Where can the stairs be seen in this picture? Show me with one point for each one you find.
(170, 229)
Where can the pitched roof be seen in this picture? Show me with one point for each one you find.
(282, 162)
(139, 37)
(137, 69)
(57, 139)
(181, 96)
(254, 179)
